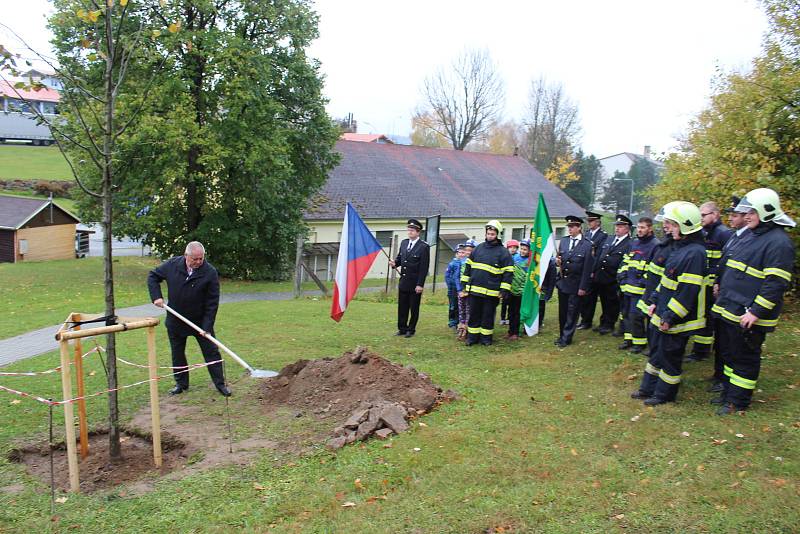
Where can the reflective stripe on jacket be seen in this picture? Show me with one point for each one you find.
(632, 273)
(680, 297)
(755, 276)
(488, 270)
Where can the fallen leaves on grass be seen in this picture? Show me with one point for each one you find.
(358, 484)
(348, 504)
(15, 401)
(569, 397)
(61, 500)
(259, 487)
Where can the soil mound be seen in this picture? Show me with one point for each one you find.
(363, 393)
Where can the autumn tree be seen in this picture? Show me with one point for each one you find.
(587, 169)
(462, 102)
(502, 138)
(551, 125)
(423, 135)
(749, 135)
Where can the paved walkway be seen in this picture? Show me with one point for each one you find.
(43, 340)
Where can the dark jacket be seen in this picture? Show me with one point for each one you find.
(631, 276)
(608, 260)
(576, 266)
(413, 264)
(715, 235)
(196, 297)
(681, 294)
(655, 268)
(597, 240)
(489, 270)
(755, 277)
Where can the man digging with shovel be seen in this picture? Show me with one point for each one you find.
(193, 290)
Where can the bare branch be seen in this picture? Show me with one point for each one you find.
(75, 172)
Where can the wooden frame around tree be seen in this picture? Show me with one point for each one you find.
(63, 336)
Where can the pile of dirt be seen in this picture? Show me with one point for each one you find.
(362, 393)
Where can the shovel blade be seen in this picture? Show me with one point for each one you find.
(262, 373)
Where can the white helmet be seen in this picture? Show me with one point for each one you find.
(767, 204)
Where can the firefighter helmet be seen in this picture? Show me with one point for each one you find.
(494, 223)
(766, 203)
(685, 214)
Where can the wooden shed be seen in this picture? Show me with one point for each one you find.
(34, 229)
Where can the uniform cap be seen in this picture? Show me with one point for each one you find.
(573, 219)
(621, 219)
(590, 215)
(413, 223)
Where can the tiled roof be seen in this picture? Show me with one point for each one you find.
(44, 95)
(384, 181)
(16, 211)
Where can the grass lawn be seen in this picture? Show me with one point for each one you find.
(543, 440)
(39, 294)
(23, 162)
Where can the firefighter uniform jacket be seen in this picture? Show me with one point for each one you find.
(715, 235)
(631, 275)
(655, 268)
(755, 276)
(681, 294)
(576, 266)
(608, 259)
(489, 269)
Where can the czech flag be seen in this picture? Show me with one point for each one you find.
(357, 252)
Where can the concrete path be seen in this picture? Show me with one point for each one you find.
(43, 340)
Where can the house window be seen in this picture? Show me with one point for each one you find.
(384, 237)
(518, 233)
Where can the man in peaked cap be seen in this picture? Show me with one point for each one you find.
(574, 260)
(413, 259)
(597, 236)
(604, 273)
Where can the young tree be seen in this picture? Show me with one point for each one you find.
(461, 103)
(551, 125)
(99, 45)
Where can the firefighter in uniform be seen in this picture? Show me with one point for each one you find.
(652, 278)
(756, 275)
(413, 259)
(716, 235)
(597, 236)
(679, 308)
(607, 262)
(574, 260)
(487, 278)
(631, 278)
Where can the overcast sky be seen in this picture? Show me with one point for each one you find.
(638, 70)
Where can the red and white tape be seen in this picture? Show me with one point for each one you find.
(50, 371)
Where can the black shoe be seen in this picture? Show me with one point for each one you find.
(625, 346)
(603, 330)
(470, 343)
(562, 344)
(716, 387)
(637, 349)
(639, 394)
(719, 401)
(596, 329)
(224, 391)
(409, 334)
(655, 401)
(583, 326)
(728, 409)
(486, 343)
(618, 333)
(177, 390)
(400, 333)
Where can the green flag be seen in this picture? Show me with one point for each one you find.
(542, 250)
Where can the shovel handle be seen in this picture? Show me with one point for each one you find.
(210, 338)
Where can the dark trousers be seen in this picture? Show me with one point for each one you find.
(514, 302)
(653, 368)
(452, 310)
(569, 308)
(588, 307)
(408, 304)
(609, 301)
(482, 310)
(741, 358)
(719, 374)
(633, 321)
(504, 310)
(704, 338)
(542, 308)
(669, 360)
(177, 343)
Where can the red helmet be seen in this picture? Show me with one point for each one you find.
(512, 243)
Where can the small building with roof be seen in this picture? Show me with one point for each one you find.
(389, 183)
(35, 229)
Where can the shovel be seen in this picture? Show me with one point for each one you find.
(255, 373)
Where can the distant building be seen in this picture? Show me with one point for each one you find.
(621, 162)
(34, 229)
(388, 183)
(18, 120)
(366, 138)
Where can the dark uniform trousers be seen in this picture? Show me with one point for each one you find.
(669, 360)
(177, 342)
(653, 367)
(514, 303)
(741, 358)
(408, 310)
(569, 309)
(609, 302)
(482, 310)
(589, 307)
(634, 321)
